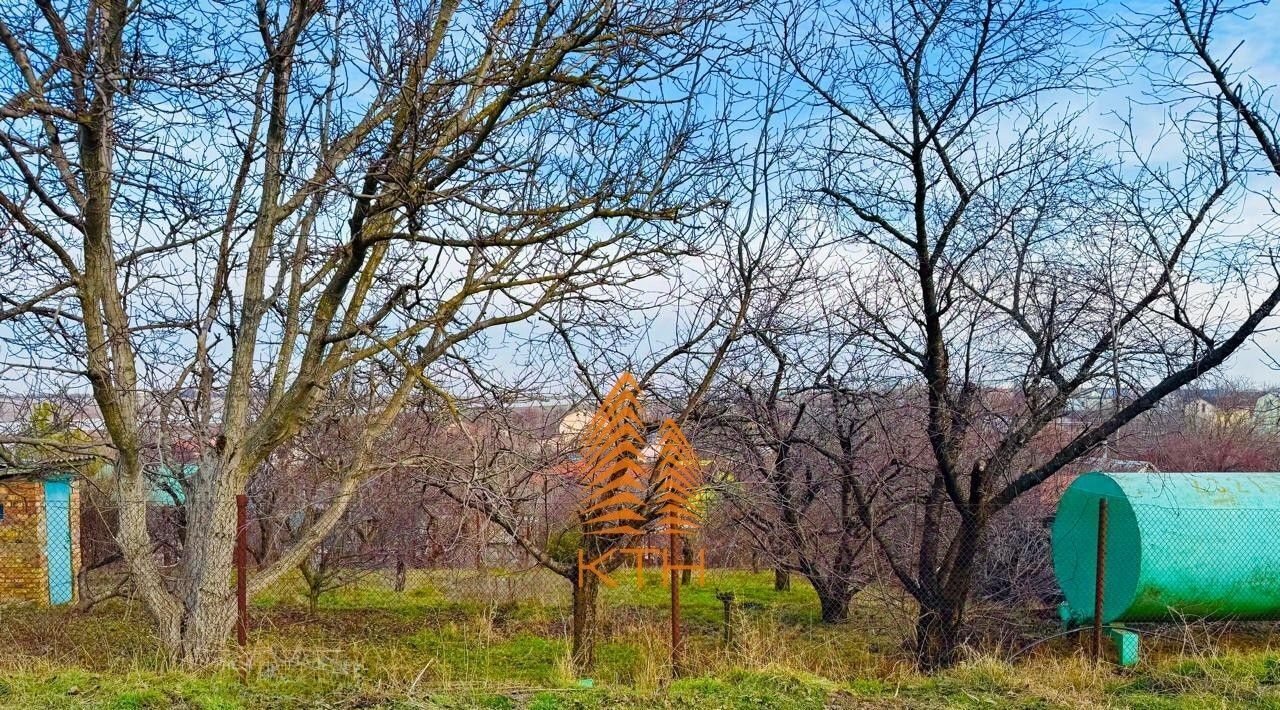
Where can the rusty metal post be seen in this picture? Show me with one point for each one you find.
(242, 565)
(1099, 579)
(726, 634)
(673, 553)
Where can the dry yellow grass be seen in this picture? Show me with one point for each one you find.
(462, 641)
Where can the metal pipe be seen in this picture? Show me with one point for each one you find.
(1099, 579)
(675, 602)
(726, 633)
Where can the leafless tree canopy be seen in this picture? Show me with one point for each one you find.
(1006, 262)
(219, 218)
(870, 255)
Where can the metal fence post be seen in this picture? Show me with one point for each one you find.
(1099, 579)
(675, 603)
(726, 635)
(242, 564)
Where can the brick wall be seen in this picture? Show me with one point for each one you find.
(77, 560)
(23, 567)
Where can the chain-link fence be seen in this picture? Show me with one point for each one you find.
(460, 596)
(1136, 549)
(39, 540)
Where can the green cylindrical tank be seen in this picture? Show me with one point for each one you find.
(1179, 545)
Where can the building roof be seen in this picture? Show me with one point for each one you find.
(1110, 465)
(60, 466)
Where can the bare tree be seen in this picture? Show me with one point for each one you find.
(516, 462)
(383, 524)
(510, 462)
(341, 559)
(791, 420)
(252, 205)
(508, 448)
(1006, 264)
(675, 340)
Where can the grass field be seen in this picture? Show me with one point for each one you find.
(499, 641)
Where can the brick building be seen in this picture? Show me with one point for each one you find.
(39, 536)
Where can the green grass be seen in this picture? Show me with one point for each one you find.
(470, 640)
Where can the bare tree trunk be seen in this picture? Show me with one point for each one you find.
(195, 614)
(585, 628)
(686, 556)
(206, 628)
(207, 599)
(938, 625)
(400, 573)
(313, 599)
(781, 579)
(833, 599)
(940, 618)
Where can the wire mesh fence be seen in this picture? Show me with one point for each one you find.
(39, 541)
(461, 599)
(1159, 560)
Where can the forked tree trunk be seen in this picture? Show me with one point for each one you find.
(686, 557)
(207, 611)
(833, 599)
(938, 627)
(781, 580)
(585, 629)
(940, 619)
(194, 604)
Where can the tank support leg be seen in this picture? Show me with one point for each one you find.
(1126, 643)
(1125, 640)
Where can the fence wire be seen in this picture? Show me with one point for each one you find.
(471, 599)
(39, 542)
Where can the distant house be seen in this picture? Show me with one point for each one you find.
(1232, 409)
(39, 536)
(1223, 415)
(1266, 412)
(1107, 463)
